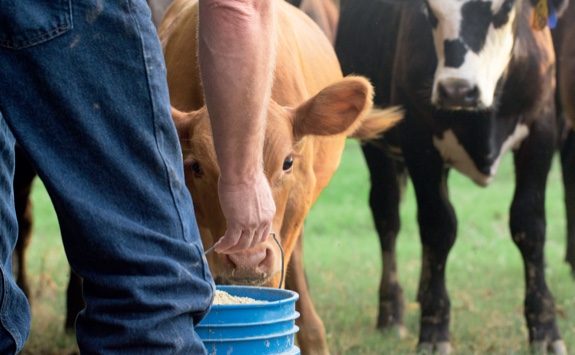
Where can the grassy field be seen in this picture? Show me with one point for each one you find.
(484, 274)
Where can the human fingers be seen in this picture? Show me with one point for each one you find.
(227, 241)
(243, 243)
(261, 234)
(239, 244)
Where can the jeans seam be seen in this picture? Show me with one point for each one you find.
(153, 112)
(205, 273)
(35, 40)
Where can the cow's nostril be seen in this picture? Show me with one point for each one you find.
(472, 95)
(442, 91)
(265, 258)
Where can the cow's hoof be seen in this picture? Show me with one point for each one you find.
(401, 331)
(541, 347)
(442, 348)
(425, 349)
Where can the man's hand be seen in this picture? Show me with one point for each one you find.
(249, 210)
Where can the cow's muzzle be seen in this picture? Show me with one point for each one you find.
(255, 266)
(456, 94)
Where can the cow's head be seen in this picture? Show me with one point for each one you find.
(289, 154)
(473, 42)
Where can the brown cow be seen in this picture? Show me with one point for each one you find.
(313, 110)
(324, 12)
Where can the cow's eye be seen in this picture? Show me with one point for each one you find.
(197, 169)
(288, 163)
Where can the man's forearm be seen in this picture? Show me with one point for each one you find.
(237, 56)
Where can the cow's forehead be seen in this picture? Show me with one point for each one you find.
(451, 6)
(467, 23)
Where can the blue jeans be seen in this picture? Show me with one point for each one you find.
(83, 91)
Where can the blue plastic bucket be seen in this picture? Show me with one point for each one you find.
(256, 328)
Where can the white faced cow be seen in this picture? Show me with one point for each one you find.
(312, 112)
(476, 81)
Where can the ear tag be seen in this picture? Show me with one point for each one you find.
(552, 23)
(540, 16)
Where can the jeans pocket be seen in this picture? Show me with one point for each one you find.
(25, 23)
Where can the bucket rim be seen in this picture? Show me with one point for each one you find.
(292, 297)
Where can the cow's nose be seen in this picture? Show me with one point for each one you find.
(454, 93)
(248, 259)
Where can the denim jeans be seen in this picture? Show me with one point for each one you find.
(83, 91)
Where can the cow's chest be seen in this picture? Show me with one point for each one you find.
(477, 157)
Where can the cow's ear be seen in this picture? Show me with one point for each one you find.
(378, 121)
(184, 122)
(339, 108)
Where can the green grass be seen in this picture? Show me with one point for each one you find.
(48, 274)
(343, 262)
(484, 273)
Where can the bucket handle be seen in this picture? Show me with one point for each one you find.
(282, 252)
(273, 234)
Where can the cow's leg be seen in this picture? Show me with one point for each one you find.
(311, 336)
(23, 178)
(384, 199)
(438, 229)
(568, 168)
(527, 225)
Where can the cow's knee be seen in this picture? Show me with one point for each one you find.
(527, 225)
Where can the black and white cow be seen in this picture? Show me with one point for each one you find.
(475, 81)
